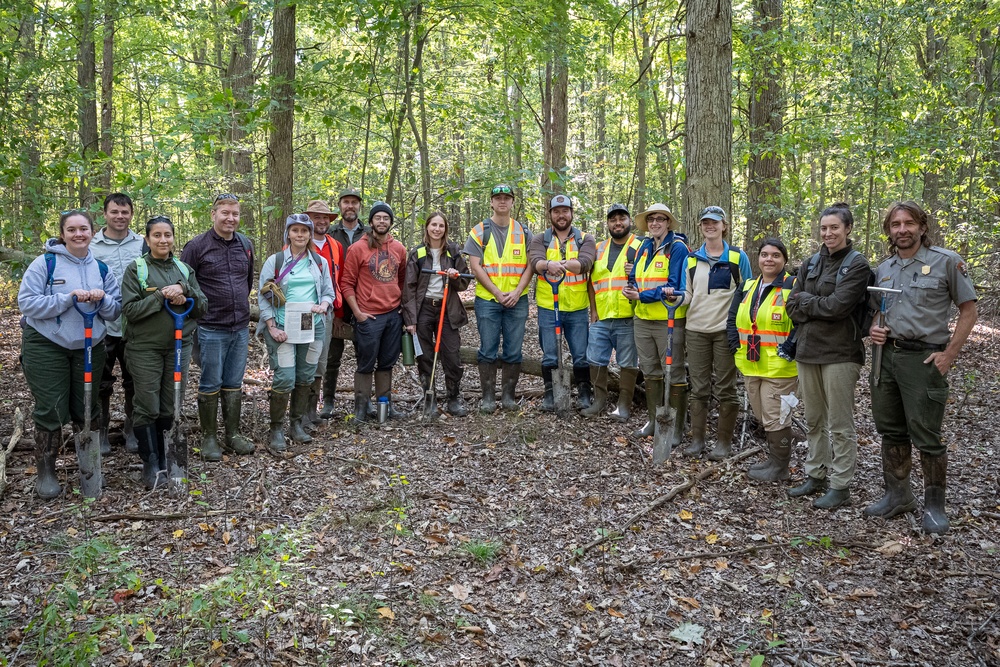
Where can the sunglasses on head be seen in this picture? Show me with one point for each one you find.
(159, 219)
(502, 190)
(300, 218)
(226, 196)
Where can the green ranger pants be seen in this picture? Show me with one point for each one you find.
(153, 374)
(908, 403)
(55, 377)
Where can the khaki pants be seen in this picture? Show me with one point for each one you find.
(765, 399)
(828, 392)
(651, 345)
(708, 353)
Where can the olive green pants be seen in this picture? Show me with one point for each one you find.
(153, 374)
(908, 403)
(55, 377)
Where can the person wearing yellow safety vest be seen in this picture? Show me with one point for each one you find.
(658, 274)
(715, 271)
(563, 252)
(498, 256)
(611, 315)
(756, 328)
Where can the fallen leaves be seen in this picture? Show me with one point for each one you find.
(459, 592)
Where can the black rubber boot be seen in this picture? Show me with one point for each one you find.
(46, 452)
(935, 519)
(131, 444)
(362, 396)
(699, 422)
(678, 402)
(278, 406)
(626, 390)
(897, 463)
(147, 444)
(300, 406)
(728, 412)
(232, 408)
(810, 487)
(104, 419)
(584, 392)
(599, 379)
(509, 377)
(779, 453)
(456, 406)
(330, 391)
(833, 499)
(208, 417)
(548, 400)
(654, 399)
(488, 385)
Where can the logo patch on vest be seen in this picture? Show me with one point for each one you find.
(659, 265)
(776, 317)
(517, 252)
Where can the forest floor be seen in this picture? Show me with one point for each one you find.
(464, 543)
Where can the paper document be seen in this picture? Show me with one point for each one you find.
(299, 323)
(417, 350)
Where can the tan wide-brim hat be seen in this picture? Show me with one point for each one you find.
(640, 220)
(320, 206)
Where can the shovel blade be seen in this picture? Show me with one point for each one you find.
(88, 456)
(662, 440)
(175, 452)
(430, 406)
(562, 388)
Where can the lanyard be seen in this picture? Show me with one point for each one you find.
(290, 266)
(755, 306)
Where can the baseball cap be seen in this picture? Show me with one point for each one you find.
(502, 189)
(713, 213)
(349, 192)
(617, 208)
(560, 200)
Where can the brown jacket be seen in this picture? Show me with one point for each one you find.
(415, 288)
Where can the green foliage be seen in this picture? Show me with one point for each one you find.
(482, 551)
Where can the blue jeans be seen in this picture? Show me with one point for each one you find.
(607, 335)
(574, 326)
(223, 358)
(294, 365)
(492, 320)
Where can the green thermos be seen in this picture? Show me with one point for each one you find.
(409, 358)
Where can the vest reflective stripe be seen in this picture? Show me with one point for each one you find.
(657, 274)
(732, 258)
(608, 283)
(504, 271)
(573, 294)
(773, 326)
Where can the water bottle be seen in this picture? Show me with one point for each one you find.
(383, 409)
(409, 356)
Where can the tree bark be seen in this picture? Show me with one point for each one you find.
(556, 105)
(279, 153)
(32, 185)
(237, 160)
(107, 97)
(708, 109)
(644, 61)
(86, 76)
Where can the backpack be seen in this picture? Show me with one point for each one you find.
(280, 260)
(862, 315)
(577, 238)
(142, 270)
(50, 269)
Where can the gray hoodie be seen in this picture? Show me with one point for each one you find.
(49, 309)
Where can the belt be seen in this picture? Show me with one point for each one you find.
(436, 302)
(914, 345)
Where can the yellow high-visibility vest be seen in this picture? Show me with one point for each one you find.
(772, 324)
(504, 270)
(573, 295)
(657, 274)
(608, 283)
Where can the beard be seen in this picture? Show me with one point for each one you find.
(619, 235)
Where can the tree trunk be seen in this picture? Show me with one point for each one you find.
(645, 61)
(237, 158)
(708, 109)
(86, 77)
(279, 153)
(556, 104)
(107, 100)
(32, 185)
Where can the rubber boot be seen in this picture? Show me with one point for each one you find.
(779, 453)
(232, 407)
(105, 418)
(311, 419)
(833, 499)
(548, 399)
(935, 519)
(163, 426)
(383, 387)
(728, 412)
(699, 421)
(146, 443)
(46, 451)
(300, 406)
(488, 384)
(654, 398)
(278, 406)
(510, 375)
(626, 390)
(584, 392)
(896, 465)
(456, 406)
(208, 417)
(811, 486)
(329, 391)
(362, 396)
(679, 404)
(131, 444)
(599, 378)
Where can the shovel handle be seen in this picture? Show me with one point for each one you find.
(445, 273)
(671, 310)
(178, 334)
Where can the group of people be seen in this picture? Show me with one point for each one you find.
(687, 318)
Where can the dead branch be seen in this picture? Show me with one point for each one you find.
(147, 516)
(15, 437)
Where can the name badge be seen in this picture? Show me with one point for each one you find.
(659, 265)
(59, 281)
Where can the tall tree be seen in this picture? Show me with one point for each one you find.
(86, 76)
(107, 95)
(279, 149)
(555, 102)
(238, 80)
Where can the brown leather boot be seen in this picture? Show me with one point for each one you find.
(897, 462)
(728, 412)
(699, 420)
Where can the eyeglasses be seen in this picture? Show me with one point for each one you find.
(502, 190)
(226, 196)
(73, 211)
(657, 218)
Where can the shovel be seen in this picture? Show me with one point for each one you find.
(562, 378)
(430, 396)
(88, 442)
(175, 449)
(661, 428)
(877, 349)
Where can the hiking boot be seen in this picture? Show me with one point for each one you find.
(833, 499)
(105, 418)
(599, 379)
(810, 487)
(208, 417)
(896, 465)
(362, 396)
(329, 391)
(779, 453)
(935, 519)
(488, 385)
(584, 394)
(626, 389)
(699, 421)
(46, 452)
(131, 444)
(148, 449)
(509, 375)
(548, 399)
(278, 406)
(300, 406)
(232, 407)
(456, 406)
(654, 398)
(728, 412)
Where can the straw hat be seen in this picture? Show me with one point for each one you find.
(640, 220)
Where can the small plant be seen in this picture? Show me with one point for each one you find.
(482, 551)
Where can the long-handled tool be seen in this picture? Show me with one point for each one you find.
(661, 428)
(175, 450)
(877, 349)
(88, 442)
(562, 377)
(430, 396)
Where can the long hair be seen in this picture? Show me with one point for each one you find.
(444, 239)
(918, 213)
